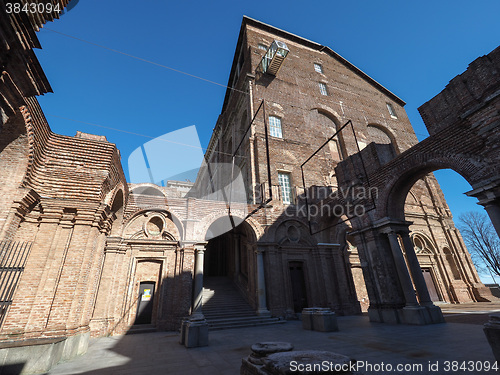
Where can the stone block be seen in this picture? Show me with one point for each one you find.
(417, 315)
(325, 320)
(182, 339)
(307, 318)
(435, 314)
(196, 333)
(390, 316)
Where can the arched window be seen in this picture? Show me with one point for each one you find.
(423, 245)
(336, 146)
(380, 135)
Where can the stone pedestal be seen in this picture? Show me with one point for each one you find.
(421, 315)
(319, 319)
(416, 315)
(307, 318)
(435, 314)
(325, 320)
(492, 332)
(194, 332)
(183, 331)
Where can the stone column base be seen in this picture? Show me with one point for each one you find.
(421, 315)
(393, 316)
(264, 313)
(417, 315)
(435, 313)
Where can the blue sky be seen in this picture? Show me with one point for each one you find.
(412, 48)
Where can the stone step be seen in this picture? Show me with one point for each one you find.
(217, 315)
(255, 318)
(224, 305)
(225, 308)
(141, 328)
(243, 323)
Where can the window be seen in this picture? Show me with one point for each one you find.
(322, 89)
(262, 46)
(391, 110)
(285, 188)
(318, 68)
(275, 127)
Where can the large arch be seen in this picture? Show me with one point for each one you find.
(225, 223)
(383, 235)
(392, 194)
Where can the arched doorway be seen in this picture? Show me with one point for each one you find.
(447, 267)
(410, 200)
(229, 258)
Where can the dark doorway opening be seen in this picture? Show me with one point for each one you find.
(298, 286)
(145, 303)
(216, 256)
(431, 287)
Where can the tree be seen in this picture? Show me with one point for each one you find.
(481, 239)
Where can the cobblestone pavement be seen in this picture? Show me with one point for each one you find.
(460, 339)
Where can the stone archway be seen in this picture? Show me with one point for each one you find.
(463, 126)
(230, 256)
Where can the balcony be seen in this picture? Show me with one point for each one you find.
(274, 57)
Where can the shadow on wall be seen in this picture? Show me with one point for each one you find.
(12, 369)
(42, 355)
(133, 350)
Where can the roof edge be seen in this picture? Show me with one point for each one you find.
(308, 43)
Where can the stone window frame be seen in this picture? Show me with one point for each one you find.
(318, 68)
(285, 198)
(323, 89)
(391, 110)
(151, 217)
(275, 127)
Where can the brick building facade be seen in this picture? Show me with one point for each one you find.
(99, 247)
(305, 101)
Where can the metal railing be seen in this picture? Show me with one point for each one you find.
(13, 256)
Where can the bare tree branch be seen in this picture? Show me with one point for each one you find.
(481, 239)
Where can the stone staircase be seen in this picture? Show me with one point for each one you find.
(141, 328)
(225, 308)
